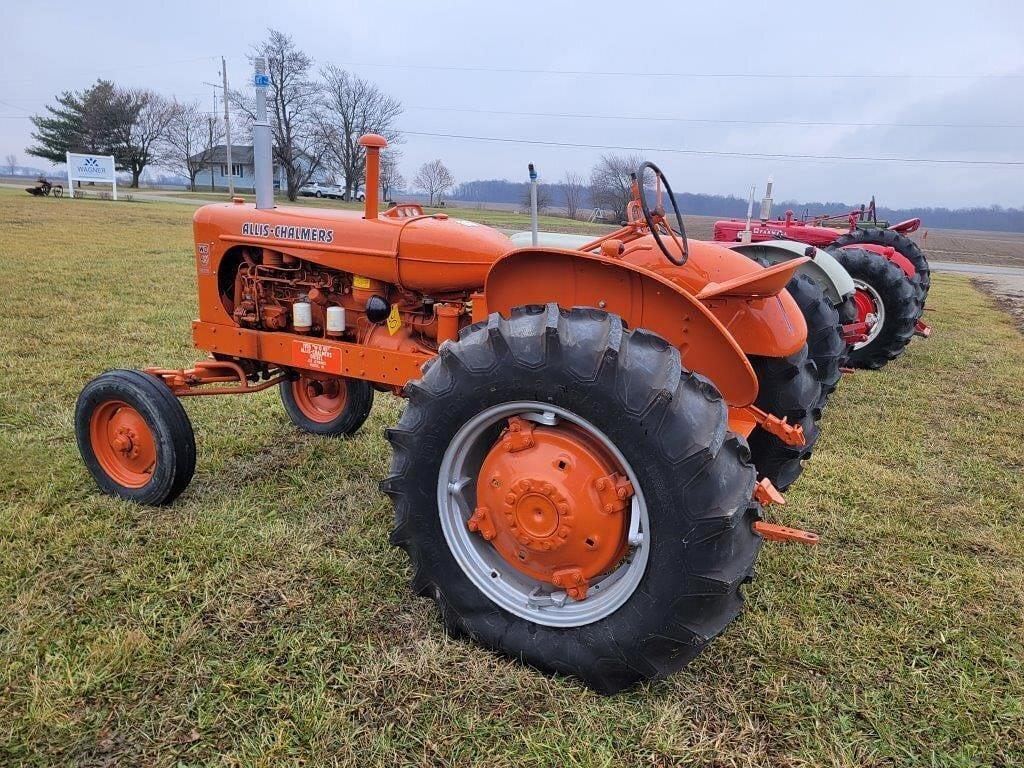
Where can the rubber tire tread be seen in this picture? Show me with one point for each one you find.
(358, 404)
(787, 387)
(672, 427)
(899, 298)
(166, 418)
(903, 244)
(825, 344)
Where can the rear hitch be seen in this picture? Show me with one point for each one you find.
(767, 494)
(772, 532)
(790, 434)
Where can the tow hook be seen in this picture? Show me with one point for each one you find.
(772, 532)
(767, 494)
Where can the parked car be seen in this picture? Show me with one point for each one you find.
(359, 194)
(319, 189)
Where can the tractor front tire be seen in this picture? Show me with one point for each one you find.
(334, 407)
(894, 297)
(135, 437)
(787, 387)
(670, 427)
(825, 344)
(901, 243)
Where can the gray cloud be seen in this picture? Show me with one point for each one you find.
(171, 47)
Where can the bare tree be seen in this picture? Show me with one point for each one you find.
(293, 101)
(434, 179)
(139, 136)
(188, 143)
(574, 187)
(11, 164)
(610, 183)
(351, 107)
(543, 197)
(391, 178)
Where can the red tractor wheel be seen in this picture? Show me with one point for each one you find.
(891, 239)
(884, 292)
(135, 437)
(571, 496)
(332, 406)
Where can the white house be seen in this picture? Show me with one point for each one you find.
(215, 169)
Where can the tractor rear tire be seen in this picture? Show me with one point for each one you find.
(897, 294)
(135, 437)
(787, 387)
(901, 243)
(332, 408)
(669, 425)
(825, 344)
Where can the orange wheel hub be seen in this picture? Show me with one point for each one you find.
(320, 400)
(554, 504)
(123, 443)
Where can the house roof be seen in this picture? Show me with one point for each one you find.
(240, 153)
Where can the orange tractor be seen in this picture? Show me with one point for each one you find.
(571, 476)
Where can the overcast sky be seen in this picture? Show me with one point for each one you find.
(174, 47)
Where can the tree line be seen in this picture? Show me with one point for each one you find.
(607, 188)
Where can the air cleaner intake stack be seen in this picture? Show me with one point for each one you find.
(264, 165)
(374, 144)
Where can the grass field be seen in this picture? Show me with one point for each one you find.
(263, 618)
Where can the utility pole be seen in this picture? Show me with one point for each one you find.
(209, 147)
(227, 127)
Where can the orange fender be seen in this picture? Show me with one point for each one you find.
(640, 297)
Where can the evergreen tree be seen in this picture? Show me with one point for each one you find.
(82, 121)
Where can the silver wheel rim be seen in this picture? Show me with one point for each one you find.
(879, 312)
(501, 582)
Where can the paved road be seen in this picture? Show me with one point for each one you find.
(975, 269)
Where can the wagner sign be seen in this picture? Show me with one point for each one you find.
(91, 168)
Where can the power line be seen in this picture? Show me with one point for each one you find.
(652, 118)
(707, 75)
(717, 153)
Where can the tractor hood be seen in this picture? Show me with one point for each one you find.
(426, 253)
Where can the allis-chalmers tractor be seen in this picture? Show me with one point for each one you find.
(575, 475)
(889, 269)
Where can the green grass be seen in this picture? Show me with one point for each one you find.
(264, 619)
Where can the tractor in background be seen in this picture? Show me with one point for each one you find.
(889, 269)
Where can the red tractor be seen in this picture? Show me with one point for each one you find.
(590, 434)
(889, 269)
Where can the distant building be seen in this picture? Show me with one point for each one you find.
(243, 171)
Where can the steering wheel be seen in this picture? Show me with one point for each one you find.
(656, 220)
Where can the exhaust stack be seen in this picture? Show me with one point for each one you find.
(261, 150)
(766, 202)
(374, 143)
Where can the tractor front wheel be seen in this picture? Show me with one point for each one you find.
(332, 406)
(886, 295)
(569, 495)
(135, 437)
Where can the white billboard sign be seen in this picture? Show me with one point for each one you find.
(91, 168)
